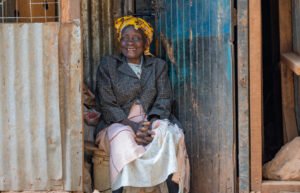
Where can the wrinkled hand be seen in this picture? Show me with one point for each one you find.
(144, 135)
(134, 126)
(152, 119)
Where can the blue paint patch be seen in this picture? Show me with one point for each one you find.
(229, 66)
(210, 18)
(202, 83)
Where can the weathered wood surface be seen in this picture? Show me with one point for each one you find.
(70, 11)
(287, 80)
(97, 19)
(292, 60)
(280, 186)
(70, 94)
(296, 26)
(288, 100)
(296, 49)
(288, 103)
(243, 96)
(256, 93)
(199, 32)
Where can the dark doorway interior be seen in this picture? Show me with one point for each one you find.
(273, 135)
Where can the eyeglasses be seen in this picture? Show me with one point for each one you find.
(134, 39)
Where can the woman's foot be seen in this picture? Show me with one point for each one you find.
(120, 190)
(172, 186)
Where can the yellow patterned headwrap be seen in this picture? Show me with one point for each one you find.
(137, 23)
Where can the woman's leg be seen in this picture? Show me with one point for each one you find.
(120, 190)
(172, 186)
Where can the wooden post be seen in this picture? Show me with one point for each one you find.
(287, 79)
(71, 75)
(256, 94)
(243, 95)
(292, 60)
(281, 187)
(70, 10)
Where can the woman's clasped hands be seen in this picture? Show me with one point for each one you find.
(144, 135)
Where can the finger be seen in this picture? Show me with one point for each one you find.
(143, 129)
(146, 123)
(149, 132)
(141, 134)
(144, 141)
(139, 141)
(149, 139)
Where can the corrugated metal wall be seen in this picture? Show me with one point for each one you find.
(296, 49)
(30, 93)
(196, 36)
(98, 32)
(40, 109)
(97, 20)
(70, 98)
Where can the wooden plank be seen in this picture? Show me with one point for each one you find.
(23, 7)
(70, 83)
(296, 49)
(296, 27)
(35, 12)
(256, 109)
(288, 103)
(285, 26)
(287, 82)
(70, 10)
(293, 62)
(280, 186)
(243, 96)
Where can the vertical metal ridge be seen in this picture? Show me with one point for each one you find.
(30, 124)
(70, 76)
(202, 83)
(98, 21)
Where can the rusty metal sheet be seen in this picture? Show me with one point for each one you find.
(196, 41)
(98, 35)
(70, 90)
(40, 109)
(98, 32)
(30, 135)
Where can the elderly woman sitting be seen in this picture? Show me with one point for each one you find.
(134, 95)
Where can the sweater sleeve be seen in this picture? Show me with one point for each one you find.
(162, 103)
(105, 96)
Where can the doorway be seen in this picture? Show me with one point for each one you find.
(195, 38)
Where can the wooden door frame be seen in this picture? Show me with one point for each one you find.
(243, 97)
(257, 184)
(70, 13)
(256, 93)
(249, 95)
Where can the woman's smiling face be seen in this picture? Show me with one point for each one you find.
(132, 44)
